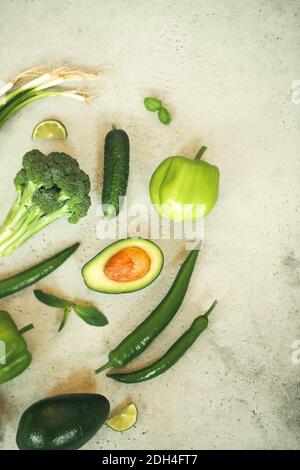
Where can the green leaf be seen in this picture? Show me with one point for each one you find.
(90, 315)
(67, 311)
(164, 116)
(52, 300)
(152, 104)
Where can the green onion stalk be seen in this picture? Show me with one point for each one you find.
(37, 83)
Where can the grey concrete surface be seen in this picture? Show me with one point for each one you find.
(226, 69)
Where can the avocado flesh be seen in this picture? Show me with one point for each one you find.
(94, 276)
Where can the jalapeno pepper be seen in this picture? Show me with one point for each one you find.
(173, 354)
(135, 343)
(14, 357)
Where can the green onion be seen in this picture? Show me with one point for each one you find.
(37, 83)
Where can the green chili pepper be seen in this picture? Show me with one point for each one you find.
(135, 343)
(35, 273)
(14, 355)
(184, 189)
(173, 354)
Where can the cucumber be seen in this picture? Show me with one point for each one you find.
(116, 171)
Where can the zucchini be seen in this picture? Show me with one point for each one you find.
(116, 171)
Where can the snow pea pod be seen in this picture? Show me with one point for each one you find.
(173, 354)
(137, 341)
(24, 279)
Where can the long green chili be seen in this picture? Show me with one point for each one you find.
(170, 358)
(135, 343)
(24, 279)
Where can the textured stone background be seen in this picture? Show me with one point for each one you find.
(226, 69)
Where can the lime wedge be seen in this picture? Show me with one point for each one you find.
(49, 129)
(125, 420)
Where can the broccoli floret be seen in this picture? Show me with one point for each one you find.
(61, 166)
(20, 179)
(47, 199)
(37, 168)
(48, 187)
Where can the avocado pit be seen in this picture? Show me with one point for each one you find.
(129, 264)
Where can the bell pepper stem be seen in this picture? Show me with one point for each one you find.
(26, 328)
(106, 366)
(200, 153)
(206, 315)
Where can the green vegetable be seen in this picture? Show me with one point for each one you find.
(16, 357)
(135, 343)
(124, 266)
(64, 422)
(87, 313)
(116, 171)
(37, 83)
(183, 189)
(152, 104)
(24, 279)
(48, 187)
(173, 354)
(164, 116)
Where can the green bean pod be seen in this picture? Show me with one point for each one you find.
(24, 279)
(170, 358)
(137, 341)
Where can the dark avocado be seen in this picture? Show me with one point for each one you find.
(63, 422)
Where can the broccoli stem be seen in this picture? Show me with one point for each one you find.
(17, 231)
(18, 212)
(33, 223)
(8, 224)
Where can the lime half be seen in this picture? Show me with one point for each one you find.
(125, 420)
(49, 129)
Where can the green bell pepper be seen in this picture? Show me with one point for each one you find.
(184, 189)
(14, 355)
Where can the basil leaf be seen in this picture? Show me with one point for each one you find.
(52, 300)
(90, 315)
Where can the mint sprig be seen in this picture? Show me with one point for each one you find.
(88, 313)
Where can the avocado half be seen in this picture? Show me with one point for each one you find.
(124, 266)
